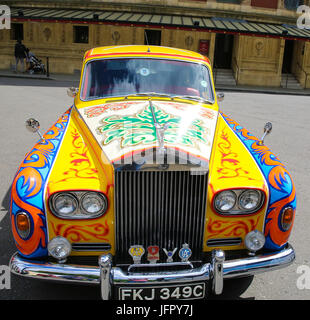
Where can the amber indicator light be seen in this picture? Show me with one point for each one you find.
(22, 222)
(287, 218)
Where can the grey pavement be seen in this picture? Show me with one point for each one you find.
(53, 77)
(47, 100)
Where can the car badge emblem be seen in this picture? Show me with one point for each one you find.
(170, 254)
(185, 252)
(136, 253)
(153, 254)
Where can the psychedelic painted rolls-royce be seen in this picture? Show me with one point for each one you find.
(144, 187)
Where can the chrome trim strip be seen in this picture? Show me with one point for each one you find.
(168, 264)
(258, 264)
(91, 275)
(54, 271)
(199, 274)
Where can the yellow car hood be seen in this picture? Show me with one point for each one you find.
(126, 129)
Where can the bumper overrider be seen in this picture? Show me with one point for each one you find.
(110, 277)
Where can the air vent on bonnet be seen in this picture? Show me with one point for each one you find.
(224, 242)
(91, 246)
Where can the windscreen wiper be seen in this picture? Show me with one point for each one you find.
(195, 98)
(150, 94)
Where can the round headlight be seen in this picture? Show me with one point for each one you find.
(225, 201)
(59, 248)
(254, 240)
(94, 203)
(249, 200)
(65, 204)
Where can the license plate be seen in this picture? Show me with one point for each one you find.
(173, 292)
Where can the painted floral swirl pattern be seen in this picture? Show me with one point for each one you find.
(237, 228)
(27, 193)
(281, 187)
(139, 128)
(78, 233)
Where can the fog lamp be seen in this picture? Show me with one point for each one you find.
(254, 241)
(59, 248)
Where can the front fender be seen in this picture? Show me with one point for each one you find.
(281, 187)
(28, 188)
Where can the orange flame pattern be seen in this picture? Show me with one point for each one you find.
(281, 187)
(27, 193)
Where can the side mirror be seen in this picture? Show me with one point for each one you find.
(72, 92)
(33, 126)
(220, 96)
(267, 130)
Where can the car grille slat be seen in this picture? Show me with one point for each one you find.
(164, 208)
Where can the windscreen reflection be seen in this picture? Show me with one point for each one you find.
(123, 77)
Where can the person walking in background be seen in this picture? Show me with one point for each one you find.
(20, 55)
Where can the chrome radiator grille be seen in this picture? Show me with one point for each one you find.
(164, 208)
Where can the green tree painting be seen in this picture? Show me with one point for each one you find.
(137, 129)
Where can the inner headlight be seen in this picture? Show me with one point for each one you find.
(225, 201)
(93, 203)
(249, 200)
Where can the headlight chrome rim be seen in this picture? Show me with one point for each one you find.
(81, 212)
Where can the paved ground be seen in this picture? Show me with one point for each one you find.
(47, 99)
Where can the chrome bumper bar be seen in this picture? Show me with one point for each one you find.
(108, 276)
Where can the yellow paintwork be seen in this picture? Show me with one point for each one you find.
(231, 166)
(146, 51)
(83, 166)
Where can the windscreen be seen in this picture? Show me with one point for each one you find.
(121, 77)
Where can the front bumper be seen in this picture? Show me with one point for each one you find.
(109, 276)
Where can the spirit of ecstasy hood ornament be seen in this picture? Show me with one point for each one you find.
(160, 131)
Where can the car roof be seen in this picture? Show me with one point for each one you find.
(144, 51)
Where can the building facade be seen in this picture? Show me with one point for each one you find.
(256, 40)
